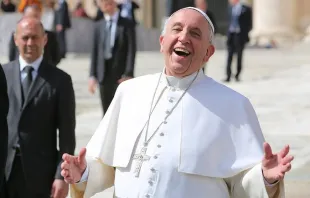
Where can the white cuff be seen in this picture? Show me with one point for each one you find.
(84, 176)
(267, 183)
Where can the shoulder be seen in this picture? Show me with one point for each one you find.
(138, 83)
(126, 22)
(225, 94)
(57, 73)
(6, 67)
(99, 23)
(246, 8)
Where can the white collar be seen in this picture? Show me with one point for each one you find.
(114, 17)
(35, 64)
(182, 83)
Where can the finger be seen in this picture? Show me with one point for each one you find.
(286, 168)
(57, 193)
(65, 173)
(82, 155)
(284, 151)
(53, 191)
(65, 165)
(68, 158)
(287, 159)
(267, 151)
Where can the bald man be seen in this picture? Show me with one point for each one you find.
(179, 133)
(51, 49)
(42, 102)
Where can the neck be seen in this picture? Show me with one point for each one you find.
(173, 74)
(111, 13)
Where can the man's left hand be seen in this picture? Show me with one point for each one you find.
(60, 189)
(276, 165)
(124, 79)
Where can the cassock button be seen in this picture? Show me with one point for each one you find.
(159, 146)
(155, 157)
(151, 183)
(161, 134)
(153, 169)
(170, 100)
(147, 196)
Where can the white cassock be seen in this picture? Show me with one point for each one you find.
(210, 146)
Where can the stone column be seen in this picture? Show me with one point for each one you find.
(274, 21)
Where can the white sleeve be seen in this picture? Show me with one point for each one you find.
(84, 176)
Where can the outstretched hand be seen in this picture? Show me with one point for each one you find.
(276, 165)
(73, 167)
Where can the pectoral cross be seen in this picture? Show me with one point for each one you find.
(141, 157)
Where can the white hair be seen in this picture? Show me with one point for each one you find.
(210, 24)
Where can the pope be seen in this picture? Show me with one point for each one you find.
(179, 133)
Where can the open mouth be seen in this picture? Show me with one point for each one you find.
(181, 52)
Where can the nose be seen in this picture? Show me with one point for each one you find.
(184, 37)
(30, 41)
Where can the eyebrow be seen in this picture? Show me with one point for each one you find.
(180, 24)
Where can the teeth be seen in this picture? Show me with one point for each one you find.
(181, 50)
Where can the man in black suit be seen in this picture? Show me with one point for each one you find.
(63, 22)
(51, 49)
(113, 52)
(4, 107)
(238, 35)
(127, 10)
(41, 102)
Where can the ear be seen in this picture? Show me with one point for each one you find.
(161, 42)
(210, 52)
(15, 38)
(45, 39)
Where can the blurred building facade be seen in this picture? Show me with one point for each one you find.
(277, 20)
(273, 21)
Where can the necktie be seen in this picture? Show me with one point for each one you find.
(107, 43)
(27, 81)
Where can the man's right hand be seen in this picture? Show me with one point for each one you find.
(73, 167)
(92, 84)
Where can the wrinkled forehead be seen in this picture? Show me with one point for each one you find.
(189, 17)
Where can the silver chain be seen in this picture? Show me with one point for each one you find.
(146, 141)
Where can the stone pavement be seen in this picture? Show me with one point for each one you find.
(276, 81)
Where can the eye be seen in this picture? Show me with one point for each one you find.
(177, 29)
(196, 34)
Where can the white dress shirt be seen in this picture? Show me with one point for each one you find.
(35, 65)
(126, 9)
(114, 19)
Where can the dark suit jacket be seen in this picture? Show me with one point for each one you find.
(62, 16)
(124, 50)
(4, 108)
(134, 6)
(245, 23)
(51, 49)
(50, 106)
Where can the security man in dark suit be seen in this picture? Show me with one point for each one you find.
(127, 10)
(4, 108)
(51, 49)
(63, 22)
(238, 35)
(42, 102)
(113, 53)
